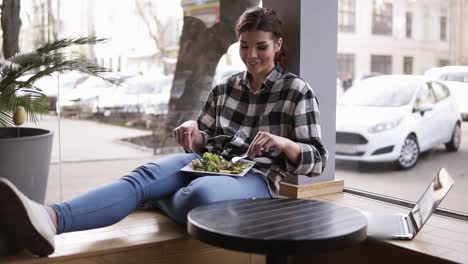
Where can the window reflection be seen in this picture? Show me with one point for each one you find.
(168, 55)
(183, 55)
(403, 39)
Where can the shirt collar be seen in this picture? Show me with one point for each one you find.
(270, 80)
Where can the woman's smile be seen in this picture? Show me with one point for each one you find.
(257, 51)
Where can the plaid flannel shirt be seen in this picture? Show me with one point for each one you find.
(285, 106)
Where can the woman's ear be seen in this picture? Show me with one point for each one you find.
(278, 44)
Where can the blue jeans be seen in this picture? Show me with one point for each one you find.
(160, 183)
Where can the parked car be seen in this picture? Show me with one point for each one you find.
(456, 78)
(393, 118)
(50, 85)
(142, 94)
(80, 96)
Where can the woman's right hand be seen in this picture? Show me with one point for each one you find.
(187, 135)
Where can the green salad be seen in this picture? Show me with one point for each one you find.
(215, 163)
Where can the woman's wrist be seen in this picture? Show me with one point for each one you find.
(198, 141)
(292, 150)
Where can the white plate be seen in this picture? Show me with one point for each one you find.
(189, 168)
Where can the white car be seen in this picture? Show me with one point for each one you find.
(456, 78)
(142, 94)
(393, 118)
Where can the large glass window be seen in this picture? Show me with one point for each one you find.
(162, 51)
(347, 15)
(382, 18)
(167, 55)
(396, 126)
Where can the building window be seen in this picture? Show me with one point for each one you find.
(409, 25)
(408, 65)
(382, 18)
(443, 28)
(345, 67)
(443, 62)
(381, 64)
(346, 15)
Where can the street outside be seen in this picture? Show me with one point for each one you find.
(410, 184)
(93, 155)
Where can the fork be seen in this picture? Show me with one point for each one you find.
(237, 158)
(243, 156)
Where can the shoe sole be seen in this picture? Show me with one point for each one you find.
(19, 227)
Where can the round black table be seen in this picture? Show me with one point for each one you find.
(278, 227)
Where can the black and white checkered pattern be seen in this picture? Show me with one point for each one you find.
(285, 106)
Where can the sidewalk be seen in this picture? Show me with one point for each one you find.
(92, 155)
(83, 140)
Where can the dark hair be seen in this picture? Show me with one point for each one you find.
(264, 19)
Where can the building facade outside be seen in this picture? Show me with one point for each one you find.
(400, 36)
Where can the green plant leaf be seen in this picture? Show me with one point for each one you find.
(54, 57)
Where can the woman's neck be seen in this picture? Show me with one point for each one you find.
(256, 83)
(257, 80)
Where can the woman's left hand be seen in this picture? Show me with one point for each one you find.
(265, 142)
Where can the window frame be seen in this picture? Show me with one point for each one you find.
(322, 68)
(405, 203)
(444, 89)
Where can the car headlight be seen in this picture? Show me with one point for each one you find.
(384, 126)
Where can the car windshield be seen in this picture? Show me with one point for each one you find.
(380, 92)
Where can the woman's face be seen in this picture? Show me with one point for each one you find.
(257, 51)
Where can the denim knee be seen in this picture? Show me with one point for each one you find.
(199, 192)
(209, 189)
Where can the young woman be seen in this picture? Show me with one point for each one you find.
(264, 112)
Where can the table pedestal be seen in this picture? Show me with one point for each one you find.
(276, 259)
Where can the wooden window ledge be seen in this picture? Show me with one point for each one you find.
(150, 237)
(142, 237)
(442, 239)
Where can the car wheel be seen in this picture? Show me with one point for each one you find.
(454, 143)
(409, 153)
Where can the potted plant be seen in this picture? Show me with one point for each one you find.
(25, 152)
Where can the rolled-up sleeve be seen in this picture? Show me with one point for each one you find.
(307, 133)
